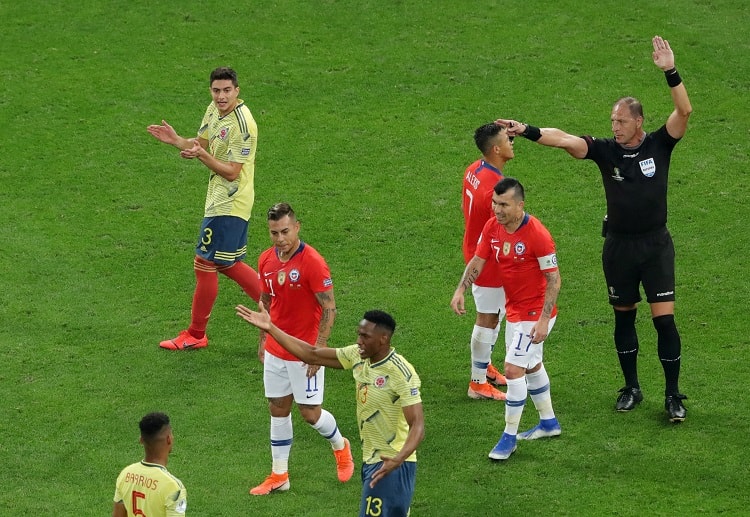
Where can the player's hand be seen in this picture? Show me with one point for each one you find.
(457, 304)
(513, 127)
(259, 318)
(539, 331)
(663, 55)
(193, 152)
(163, 132)
(389, 465)
(312, 369)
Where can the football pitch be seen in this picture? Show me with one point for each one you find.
(365, 112)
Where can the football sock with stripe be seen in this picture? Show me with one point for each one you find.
(539, 390)
(282, 435)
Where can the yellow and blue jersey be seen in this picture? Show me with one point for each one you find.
(383, 389)
(231, 138)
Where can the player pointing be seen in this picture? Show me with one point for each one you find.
(638, 248)
(389, 406)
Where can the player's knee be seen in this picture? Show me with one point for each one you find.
(311, 414)
(665, 324)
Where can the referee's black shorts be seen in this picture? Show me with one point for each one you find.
(631, 260)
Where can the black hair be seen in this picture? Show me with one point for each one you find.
(223, 73)
(508, 183)
(483, 136)
(281, 210)
(381, 319)
(152, 425)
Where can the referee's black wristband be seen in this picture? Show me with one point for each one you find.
(673, 77)
(533, 133)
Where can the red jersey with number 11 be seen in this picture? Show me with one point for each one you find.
(292, 286)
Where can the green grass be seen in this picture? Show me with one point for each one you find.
(365, 112)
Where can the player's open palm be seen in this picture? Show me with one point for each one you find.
(163, 132)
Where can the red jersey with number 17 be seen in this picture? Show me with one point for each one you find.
(522, 258)
(292, 286)
(480, 179)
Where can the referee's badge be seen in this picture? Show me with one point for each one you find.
(648, 167)
(281, 277)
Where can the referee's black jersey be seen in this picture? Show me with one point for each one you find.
(635, 181)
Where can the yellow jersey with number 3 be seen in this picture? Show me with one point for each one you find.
(231, 138)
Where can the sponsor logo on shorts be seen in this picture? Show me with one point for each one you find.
(666, 293)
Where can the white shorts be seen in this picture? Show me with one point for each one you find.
(519, 350)
(281, 378)
(489, 300)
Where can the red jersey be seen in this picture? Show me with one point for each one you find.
(480, 179)
(522, 258)
(292, 286)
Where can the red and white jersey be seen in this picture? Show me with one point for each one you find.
(522, 258)
(480, 179)
(292, 286)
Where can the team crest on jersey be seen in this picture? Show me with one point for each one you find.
(520, 248)
(380, 382)
(506, 248)
(294, 275)
(281, 277)
(648, 167)
(224, 133)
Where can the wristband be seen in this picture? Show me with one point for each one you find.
(532, 133)
(673, 77)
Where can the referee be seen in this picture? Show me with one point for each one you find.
(638, 248)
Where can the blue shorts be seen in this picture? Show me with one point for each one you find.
(392, 496)
(223, 239)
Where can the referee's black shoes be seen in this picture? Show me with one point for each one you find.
(628, 399)
(675, 409)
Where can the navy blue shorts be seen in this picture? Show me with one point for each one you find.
(223, 239)
(629, 261)
(392, 496)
